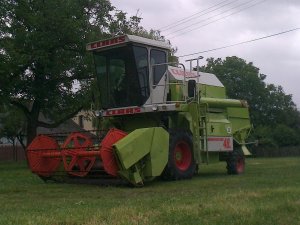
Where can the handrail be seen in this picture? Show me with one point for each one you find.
(191, 65)
(167, 80)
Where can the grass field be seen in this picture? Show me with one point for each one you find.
(268, 193)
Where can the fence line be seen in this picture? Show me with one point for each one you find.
(288, 151)
(11, 153)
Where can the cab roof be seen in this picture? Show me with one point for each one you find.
(106, 43)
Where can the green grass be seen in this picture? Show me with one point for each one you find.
(268, 193)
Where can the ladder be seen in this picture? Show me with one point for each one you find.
(203, 108)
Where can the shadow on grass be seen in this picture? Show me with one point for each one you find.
(87, 181)
(118, 182)
(211, 175)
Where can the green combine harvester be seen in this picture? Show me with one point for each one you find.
(161, 120)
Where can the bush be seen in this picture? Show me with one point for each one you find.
(263, 151)
(284, 135)
(276, 136)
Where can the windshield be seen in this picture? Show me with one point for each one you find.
(122, 76)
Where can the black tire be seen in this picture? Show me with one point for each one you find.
(236, 162)
(181, 163)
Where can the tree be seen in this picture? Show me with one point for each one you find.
(43, 54)
(44, 67)
(12, 127)
(271, 109)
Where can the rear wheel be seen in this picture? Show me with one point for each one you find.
(236, 162)
(181, 164)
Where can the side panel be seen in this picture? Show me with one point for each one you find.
(176, 91)
(134, 146)
(219, 132)
(142, 154)
(240, 119)
(219, 144)
(158, 157)
(212, 91)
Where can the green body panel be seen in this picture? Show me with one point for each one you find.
(176, 91)
(239, 118)
(212, 91)
(221, 103)
(134, 147)
(158, 157)
(218, 125)
(133, 122)
(149, 144)
(241, 126)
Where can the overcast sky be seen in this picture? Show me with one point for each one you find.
(277, 57)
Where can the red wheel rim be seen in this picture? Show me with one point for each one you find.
(78, 141)
(182, 156)
(75, 144)
(36, 152)
(240, 165)
(109, 160)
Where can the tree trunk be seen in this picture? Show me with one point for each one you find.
(31, 132)
(20, 138)
(32, 122)
(14, 150)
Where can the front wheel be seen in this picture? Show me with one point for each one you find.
(236, 162)
(181, 164)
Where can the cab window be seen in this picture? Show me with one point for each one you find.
(158, 57)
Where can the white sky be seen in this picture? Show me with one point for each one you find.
(277, 57)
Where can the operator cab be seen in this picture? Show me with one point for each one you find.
(123, 68)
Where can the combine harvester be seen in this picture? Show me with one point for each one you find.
(163, 121)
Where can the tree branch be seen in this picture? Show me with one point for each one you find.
(78, 77)
(21, 106)
(57, 123)
(20, 139)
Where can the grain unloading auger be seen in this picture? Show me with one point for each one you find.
(161, 120)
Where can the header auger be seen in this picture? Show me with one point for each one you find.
(77, 154)
(160, 120)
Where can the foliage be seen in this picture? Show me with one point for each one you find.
(284, 135)
(44, 65)
(273, 113)
(42, 45)
(12, 124)
(121, 25)
(267, 151)
(277, 136)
